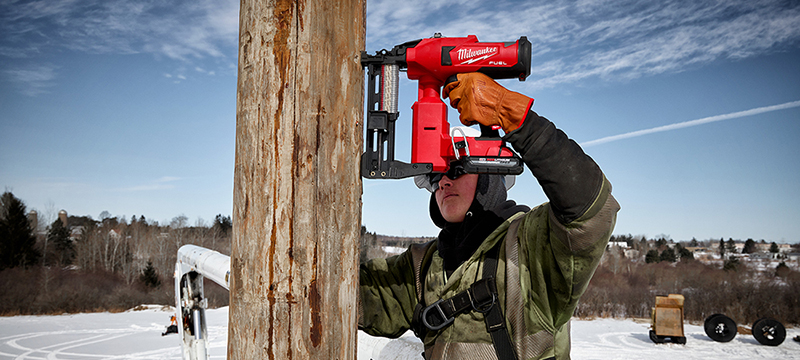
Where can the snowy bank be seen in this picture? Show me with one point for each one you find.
(137, 335)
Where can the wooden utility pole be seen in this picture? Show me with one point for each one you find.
(297, 189)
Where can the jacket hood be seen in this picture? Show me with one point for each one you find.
(458, 241)
(490, 196)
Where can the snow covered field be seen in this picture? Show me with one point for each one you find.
(137, 335)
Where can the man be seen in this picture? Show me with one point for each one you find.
(501, 280)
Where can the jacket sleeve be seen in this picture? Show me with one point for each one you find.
(570, 178)
(387, 296)
(563, 240)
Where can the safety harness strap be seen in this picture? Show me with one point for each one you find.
(495, 320)
(481, 297)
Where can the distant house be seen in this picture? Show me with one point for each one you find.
(762, 256)
(782, 248)
(393, 250)
(632, 254)
(75, 232)
(696, 249)
(705, 256)
(619, 244)
(738, 255)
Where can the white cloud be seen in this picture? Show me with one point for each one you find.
(572, 40)
(204, 71)
(188, 31)
(690, 123)
(32, 80)
(178, 30)
(612, 40)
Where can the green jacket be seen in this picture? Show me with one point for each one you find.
(544, 267)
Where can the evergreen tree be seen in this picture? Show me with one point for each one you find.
(223, 224)
(721, 248)
(749, 247)
(668, 255)
(149, 277)
(693, 243)
(17, 242)
(774, 248)
(730, 246)
(782, 270)
(630, 241)
(731, 263)
(685, 254)
(652, 257)
(85, 221)
(58, 237)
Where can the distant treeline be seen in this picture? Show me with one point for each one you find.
(624, 288)
(372, 244)
(721, 245)
(80, 264)
(113, 264)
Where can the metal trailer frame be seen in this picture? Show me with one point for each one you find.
(193, 265)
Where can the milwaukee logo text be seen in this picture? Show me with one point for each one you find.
(469, 56)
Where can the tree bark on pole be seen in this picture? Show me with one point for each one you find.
(297, 188)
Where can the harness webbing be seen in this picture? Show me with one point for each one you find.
(481, 297)
(495, 321)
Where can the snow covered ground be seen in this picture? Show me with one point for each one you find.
(137, 335)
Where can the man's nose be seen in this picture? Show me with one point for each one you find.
(445, 181)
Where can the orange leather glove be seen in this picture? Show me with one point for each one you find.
(481, 100)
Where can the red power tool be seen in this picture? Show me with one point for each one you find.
(435, 62)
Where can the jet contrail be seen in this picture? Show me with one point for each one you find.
(689, 123)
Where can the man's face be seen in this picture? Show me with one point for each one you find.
(455, 196)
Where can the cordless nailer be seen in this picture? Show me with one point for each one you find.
(435, 62)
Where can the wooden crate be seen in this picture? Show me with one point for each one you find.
(667, 315)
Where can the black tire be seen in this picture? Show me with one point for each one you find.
(656, 339)
(706, 323)
(769, 332)
(679, 340)
(720, 328)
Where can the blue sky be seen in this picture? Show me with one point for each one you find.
(129, 107)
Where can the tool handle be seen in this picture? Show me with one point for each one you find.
(490, 131)
(451, 79)
(486, 131)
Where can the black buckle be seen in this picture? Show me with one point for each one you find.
(483, 295)
(445, 321)
(484, 307)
